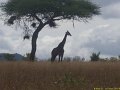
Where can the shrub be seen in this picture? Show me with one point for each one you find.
(9, 57)
(95, 56)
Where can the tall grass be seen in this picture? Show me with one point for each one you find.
(59, 76)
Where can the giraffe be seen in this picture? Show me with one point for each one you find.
(59, 50)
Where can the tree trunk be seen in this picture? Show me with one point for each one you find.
(34, 40)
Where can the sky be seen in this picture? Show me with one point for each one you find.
(100, 34)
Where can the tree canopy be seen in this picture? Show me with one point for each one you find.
(65, 9)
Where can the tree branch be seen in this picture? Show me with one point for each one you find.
(37, 18)
(56, 19)
(53, 19)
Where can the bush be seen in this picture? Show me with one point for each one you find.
(78, 58)
(9, 57)
(95, 56)
(68, 59)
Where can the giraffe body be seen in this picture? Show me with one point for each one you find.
(59, 50)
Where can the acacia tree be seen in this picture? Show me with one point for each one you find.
(40, 13)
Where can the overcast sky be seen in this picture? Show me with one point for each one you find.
(102, 33)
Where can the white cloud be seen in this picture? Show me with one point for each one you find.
(103, 3)
(106, 39)
(111, 11)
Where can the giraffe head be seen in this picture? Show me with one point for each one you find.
(68, 33)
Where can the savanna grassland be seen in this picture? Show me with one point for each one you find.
(59, 76)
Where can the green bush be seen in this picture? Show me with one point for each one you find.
(9, 57)
(95, 56)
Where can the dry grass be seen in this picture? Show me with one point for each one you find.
(58, 76)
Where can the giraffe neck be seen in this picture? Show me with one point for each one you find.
(63, 41)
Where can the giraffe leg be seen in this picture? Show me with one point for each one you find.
(62, 55)
(53, 58)
(53, 54)
(59, 58)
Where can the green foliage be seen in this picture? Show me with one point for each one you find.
(95, 56)
(67, 9)
(9, 57)
(70, 79)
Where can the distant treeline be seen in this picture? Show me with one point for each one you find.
(93, 57)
